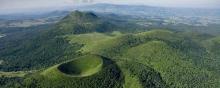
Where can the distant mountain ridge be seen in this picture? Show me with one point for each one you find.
(22, 16)
(139, 10)
(149, 10)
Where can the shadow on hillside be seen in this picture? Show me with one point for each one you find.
(148, 77)
(112, 72)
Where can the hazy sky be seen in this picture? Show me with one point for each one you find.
(16, 5)
(172, 3)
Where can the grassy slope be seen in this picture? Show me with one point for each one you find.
(89, 40)
(157, 59)
(131, 77)
(92, 40)
(160, 56)
(80, 67)
(133, 80)
(107, 77)
(147, 59)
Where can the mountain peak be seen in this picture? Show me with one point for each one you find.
(78, 22)
(84, 16)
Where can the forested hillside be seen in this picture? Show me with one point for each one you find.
(84, 50)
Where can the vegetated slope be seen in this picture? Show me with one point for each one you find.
(212, 47)
(88, 71)
(162, 51)
(176, 72)
(80, 67)
(138, 75)
(153, 59)
(50, 46)
(141, 76)
(90, 40)
(83, 22)
(37, 52)
(172, 55)
(86, 22)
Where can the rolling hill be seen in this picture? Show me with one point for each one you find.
(86, 51)
(90, 71)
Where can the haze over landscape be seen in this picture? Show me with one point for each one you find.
(109, 44)
(13, 6)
